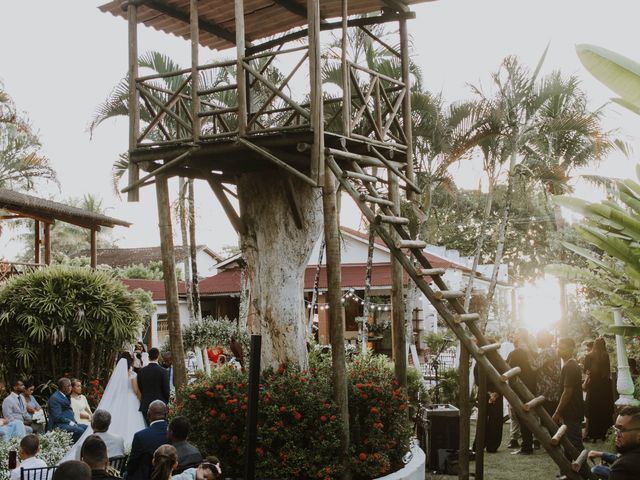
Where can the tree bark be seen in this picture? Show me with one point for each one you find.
(367, 289)
(277, 253)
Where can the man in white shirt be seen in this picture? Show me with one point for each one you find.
(13, 407)
(29, 448)
(100, 423)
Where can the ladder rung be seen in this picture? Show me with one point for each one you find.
(390, 219)
(359, 176)
(411, 244)
(509, 374)
(555, 440)
(576, 465)
(492, 347)
(466, 317)
(531, 404)
(380, 201)
(430, 272)
(448, 295)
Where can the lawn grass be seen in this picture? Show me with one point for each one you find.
(504, 466)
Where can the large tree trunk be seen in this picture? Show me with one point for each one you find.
(277, 253)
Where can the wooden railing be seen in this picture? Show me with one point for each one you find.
(166, 102)
(9, 269)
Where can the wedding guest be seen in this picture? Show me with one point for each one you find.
(72, 470)
(100, 425)
(79, 404)
(165, 461)
(60, 411)
(29, 448)
(188, 455)
(13, 406)
(9, 429)
(494, 412)
(33, 408)
(167, 363)
(138, 350)
(146, 441)
(207, 470)
(521, 357)
(547, 366)
(94, 454)
(597, 384)
(570, 410)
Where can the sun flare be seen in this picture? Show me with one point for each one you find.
(539, 304)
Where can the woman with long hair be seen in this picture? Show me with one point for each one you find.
(165, 461)
(597, 384)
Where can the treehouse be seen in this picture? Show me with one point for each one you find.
(294, 112)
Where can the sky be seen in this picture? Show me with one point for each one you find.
(60, 59)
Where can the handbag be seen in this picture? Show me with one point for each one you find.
(38, 417)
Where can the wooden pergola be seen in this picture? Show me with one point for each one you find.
(45, 213)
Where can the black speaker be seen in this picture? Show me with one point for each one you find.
(443, 434)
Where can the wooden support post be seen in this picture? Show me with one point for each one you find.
(195, 43)
(336, 313)
(241, 79)
(94, 248)
(398, 328)
(134, 111)
(170, 281)
(47, 244)
(465, 414)
(406, 102)
(36, 241)
(346, 81)
(481, 425)
(315, 77)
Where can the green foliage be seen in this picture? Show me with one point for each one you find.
(58, 320)
(53, 447)
(150, 271)
(447, 387)
(296, 406)
(210, 332)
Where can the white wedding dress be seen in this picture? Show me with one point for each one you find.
(121, 402)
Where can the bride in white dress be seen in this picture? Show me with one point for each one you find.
(121, 398)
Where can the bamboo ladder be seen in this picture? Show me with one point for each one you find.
(362, 188)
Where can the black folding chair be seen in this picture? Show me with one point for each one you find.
(43, 473)
(119, 463)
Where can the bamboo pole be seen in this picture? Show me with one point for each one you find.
(94, 248)
(481, 425)
(398, 328)
(241, 79)
(346, 85)
(315, 77)
(170, 280)
(336, 313)
(134, 111)
(406, 105)
(47, 244)
(36, 242)
(195, 40)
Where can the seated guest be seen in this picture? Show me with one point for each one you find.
(72, 470)
(100, 424)
(627, 428)
(33, 407)
(79, 404)
(94, 454)
(188, 455)
(60, 411)
(146, 441)
(29, 448)
(207, 470)
(10, 430)
(165, 461)
(13, 406)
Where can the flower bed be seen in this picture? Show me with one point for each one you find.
(298, 424)
(53, 447)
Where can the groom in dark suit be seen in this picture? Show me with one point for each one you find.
(153, 382)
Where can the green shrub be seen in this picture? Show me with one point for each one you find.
(54, 446)
(298, 423)
(63, 320)
(210, 332)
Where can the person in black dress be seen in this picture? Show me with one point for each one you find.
(599, 401)
(495, 413)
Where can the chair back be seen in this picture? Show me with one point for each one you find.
(118, 463)
(42, 473)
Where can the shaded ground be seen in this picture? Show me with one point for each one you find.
(504, 466)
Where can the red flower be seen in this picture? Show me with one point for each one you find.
(281, 369)
(223, 416)
(192, 396)
(282, 409)
(259, 452)
(210, 394)
(403, 406)
(364, 396)
(231, 401)
(362, 457)
(374, 410)
(332, 418)
(297, 415)
(323, 418)
(213, 412)
(219, 386)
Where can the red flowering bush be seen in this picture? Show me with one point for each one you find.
(298, 422)
(93, 392)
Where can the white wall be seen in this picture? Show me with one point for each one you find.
(351, 251)
(161, 308)
(206, 264)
